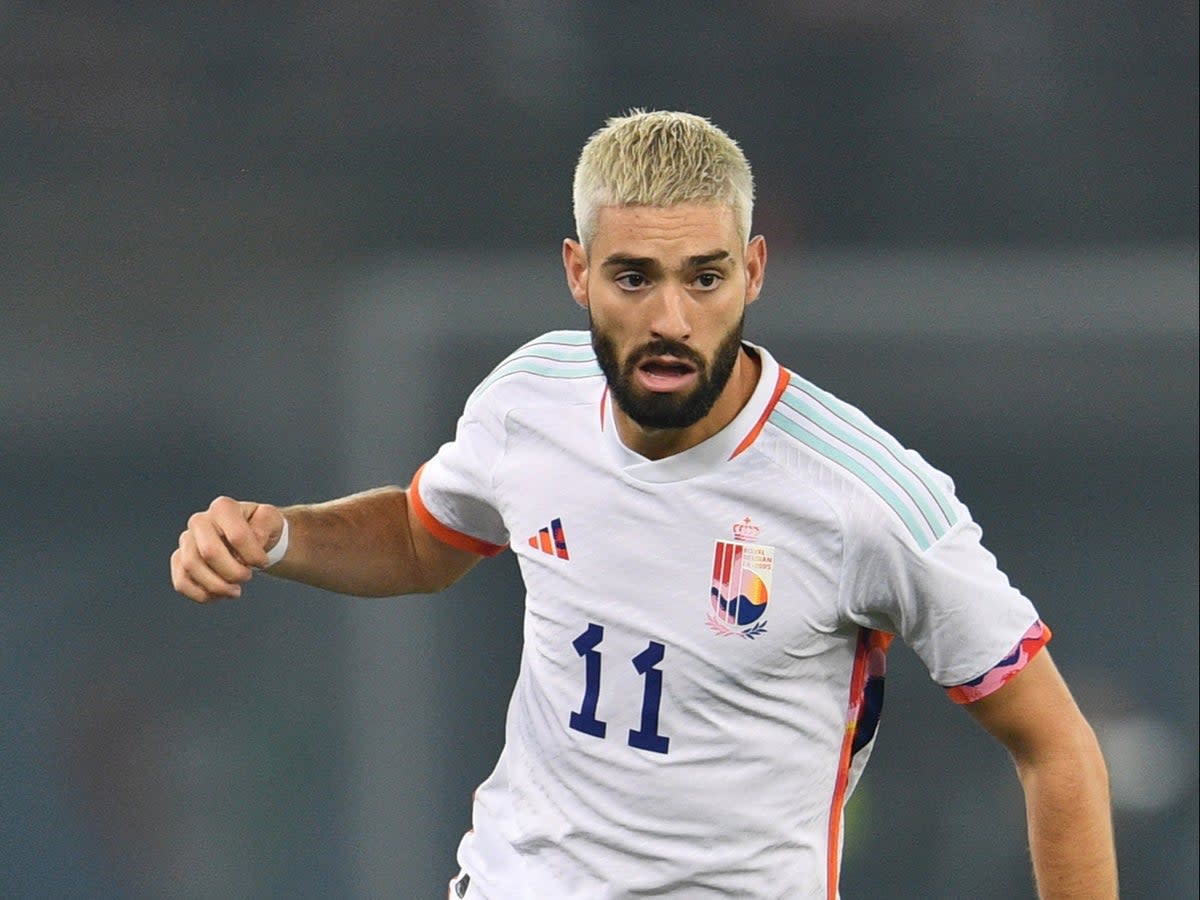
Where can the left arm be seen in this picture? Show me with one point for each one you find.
(1064, 778)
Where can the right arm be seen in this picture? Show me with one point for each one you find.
(369, 544)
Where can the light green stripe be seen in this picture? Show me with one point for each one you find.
(567, 343)
(579, 338)
(548, 369)
(555, 351)
(845, 432)
(852, 416)
(855, 419)
(547, 349)
(849, 413)
(806, 437)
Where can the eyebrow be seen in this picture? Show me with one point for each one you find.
(646, 262)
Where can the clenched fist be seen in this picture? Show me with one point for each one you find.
(222, 546)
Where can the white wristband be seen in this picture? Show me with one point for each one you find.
(275, 554)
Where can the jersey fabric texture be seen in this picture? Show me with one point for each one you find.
(704, 635)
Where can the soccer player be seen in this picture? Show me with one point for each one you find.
(716, 555)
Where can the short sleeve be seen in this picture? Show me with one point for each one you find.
(453, 494)
(950, 602)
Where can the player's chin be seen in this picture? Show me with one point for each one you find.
(663, 411)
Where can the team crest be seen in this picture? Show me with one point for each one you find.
(741, 585)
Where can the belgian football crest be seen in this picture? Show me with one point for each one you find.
(741, 584)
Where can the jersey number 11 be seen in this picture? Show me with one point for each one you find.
(644, 738)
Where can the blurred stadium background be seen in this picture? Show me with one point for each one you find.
(266, 250)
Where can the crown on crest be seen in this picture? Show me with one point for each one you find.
(746, 530)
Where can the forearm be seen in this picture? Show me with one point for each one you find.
(1070, 823)
(360, 545)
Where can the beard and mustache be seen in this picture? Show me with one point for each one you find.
(651, 409)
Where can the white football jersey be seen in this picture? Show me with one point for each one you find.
(704, 635)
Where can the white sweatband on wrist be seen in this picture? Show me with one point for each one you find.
(275, 554)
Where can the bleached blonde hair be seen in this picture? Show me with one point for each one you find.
(660, 159)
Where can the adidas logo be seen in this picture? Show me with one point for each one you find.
(551, 540)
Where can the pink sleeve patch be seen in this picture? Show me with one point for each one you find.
(1004, 671)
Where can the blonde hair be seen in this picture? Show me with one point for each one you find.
(660, 159)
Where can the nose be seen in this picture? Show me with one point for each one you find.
(669, 318)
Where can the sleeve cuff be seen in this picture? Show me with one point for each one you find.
(1004, 671)
(445, 533)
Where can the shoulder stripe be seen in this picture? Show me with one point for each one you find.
(869, 445)
(855, 419)
(560, 354)
(848, 438)
(916, 526)
(534, 367)
(572, 337)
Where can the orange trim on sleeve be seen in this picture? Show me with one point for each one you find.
(781, 384)
(444, 533)
(1007, 669)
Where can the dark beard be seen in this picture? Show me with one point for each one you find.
(654, 410)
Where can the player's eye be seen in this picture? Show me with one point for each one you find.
(631, 281)
(708, 280)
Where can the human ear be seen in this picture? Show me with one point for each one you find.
(575, 264)
(756, 266)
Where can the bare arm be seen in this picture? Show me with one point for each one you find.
(367, 544)
(1064, 779)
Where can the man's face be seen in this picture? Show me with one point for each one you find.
(666, 290)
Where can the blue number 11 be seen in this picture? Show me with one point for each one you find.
(646, 737)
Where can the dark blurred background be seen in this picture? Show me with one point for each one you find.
(267, 249)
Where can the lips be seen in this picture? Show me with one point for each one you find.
(662, 374)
